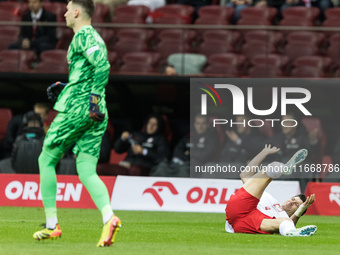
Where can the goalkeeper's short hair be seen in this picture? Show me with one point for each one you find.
(87, 5)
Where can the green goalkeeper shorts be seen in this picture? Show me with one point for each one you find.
(75, 128)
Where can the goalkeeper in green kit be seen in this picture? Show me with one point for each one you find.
(82, 120)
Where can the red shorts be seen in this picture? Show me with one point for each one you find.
(242, 213)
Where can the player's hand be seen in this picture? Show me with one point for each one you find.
(309, 200)
(270, 150)
(303, 207)
(95, 113)
(54, 90)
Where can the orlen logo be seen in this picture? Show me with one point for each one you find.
(30, 191)
(154, 192)
(195, 195)
(335, 194)
(209, 195)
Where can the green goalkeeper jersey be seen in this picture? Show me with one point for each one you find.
(88, 72)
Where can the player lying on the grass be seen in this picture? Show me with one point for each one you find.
(251, 210)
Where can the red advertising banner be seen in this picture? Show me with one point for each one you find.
(327, 198)
(24, 190)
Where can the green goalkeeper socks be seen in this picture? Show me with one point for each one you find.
(86, 167)
(48, 160)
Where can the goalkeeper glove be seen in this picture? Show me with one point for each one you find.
(95, 114)
(54, 90)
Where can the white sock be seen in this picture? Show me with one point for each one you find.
(107, 217)
(275, 169)
(51, 222)
(286, 226)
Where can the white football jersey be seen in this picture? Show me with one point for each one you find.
(269, 206)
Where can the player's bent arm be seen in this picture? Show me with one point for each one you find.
(294, 218)
(251, 168)
(101, 69)
(272, 225)
(98, 59)
(247, 173)
(101, 74)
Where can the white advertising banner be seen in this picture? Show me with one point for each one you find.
(185, 194)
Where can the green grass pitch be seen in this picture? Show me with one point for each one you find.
(156, 233)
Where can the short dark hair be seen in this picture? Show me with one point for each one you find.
(87, 5)
(303, 198)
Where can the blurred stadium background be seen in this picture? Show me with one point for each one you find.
(299, 43)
